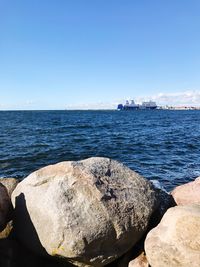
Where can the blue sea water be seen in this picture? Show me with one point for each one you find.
(160, 144)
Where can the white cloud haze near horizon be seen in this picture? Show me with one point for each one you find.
(184, 98)
(181, 98)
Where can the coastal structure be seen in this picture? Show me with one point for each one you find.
(131, 105)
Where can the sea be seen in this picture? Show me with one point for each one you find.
(162, 145)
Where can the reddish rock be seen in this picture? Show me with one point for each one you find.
(174, 242)
(187, 193)
(140, 261)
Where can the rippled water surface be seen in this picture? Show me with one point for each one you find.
(162, 145)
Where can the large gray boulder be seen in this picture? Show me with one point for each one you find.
(88, 212)
(175, 242)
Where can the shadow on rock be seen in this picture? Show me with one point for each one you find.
(21, 218)
(166, 201)
(15, 254)
(133, 253)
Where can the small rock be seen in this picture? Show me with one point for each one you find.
(140, 261)
(7, 230)
(175, 242)
(10, 184)
(88, 212)
(5, 206)
(187, 193)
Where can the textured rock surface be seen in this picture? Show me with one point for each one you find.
(5, 205)
(187, 193)
(89, 212)
(175, 242)
(10, 184)
(140, 261)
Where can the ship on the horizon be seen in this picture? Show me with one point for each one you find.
(131, 105)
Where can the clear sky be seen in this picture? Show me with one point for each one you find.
(92, 53)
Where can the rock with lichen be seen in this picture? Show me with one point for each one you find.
(87, 212)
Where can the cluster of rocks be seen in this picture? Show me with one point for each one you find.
(97, 212)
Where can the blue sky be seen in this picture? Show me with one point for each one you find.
(94, 53)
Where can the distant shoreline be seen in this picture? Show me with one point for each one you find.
(45, 110)
(179, 108)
